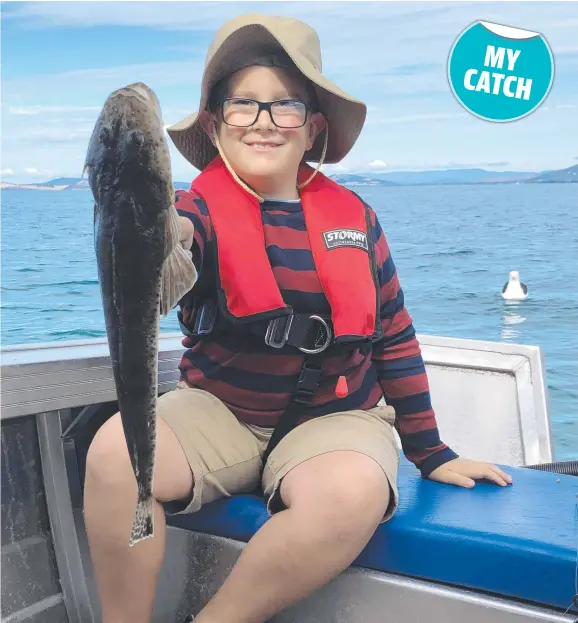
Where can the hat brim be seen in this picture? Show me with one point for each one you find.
(345, 114)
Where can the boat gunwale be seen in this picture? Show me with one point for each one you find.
(36, 377)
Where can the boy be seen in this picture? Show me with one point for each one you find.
(297, 317)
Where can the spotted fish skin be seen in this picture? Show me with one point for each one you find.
(143, 271)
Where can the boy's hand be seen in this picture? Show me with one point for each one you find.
(187, 233)
(462, 472)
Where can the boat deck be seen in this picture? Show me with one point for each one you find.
(483, 555)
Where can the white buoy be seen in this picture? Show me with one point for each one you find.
(514, 289)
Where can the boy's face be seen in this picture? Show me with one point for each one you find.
(265, 156)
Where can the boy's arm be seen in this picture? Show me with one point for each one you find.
(405, 386)
(195, 235)
(401, 370)
(195, 225)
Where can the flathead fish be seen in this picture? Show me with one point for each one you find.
(142, 268)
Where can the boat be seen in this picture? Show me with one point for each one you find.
(489, 554)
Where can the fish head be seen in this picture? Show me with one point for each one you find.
(143, 91)
(128, 143)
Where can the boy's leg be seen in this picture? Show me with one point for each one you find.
(336, 476)
(127, 576)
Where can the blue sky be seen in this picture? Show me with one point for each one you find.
(60, 60)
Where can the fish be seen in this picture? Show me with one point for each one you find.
(143, 270)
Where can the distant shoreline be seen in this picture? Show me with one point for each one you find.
(442, 177)
(33, 189)
(28, 187)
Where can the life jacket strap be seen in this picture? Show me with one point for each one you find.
(303, 394)
(309, 333)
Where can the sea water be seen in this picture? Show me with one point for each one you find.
(453, 247)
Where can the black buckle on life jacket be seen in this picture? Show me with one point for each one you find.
(205, 318)
(294, 329)
(274, 328)
(308, 383)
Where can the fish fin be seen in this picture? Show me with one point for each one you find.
(172, 230)
(143, 523)
(179, 273)
(178, 277)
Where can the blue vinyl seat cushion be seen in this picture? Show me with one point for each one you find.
(519, 541)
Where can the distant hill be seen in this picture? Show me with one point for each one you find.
(394, 178)
(61, 181)
(563, 176)
(81, 184)
(67, 183)
(453, 176)
(78, 185)
(360, 180)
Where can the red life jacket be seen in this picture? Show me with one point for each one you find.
(341, 243)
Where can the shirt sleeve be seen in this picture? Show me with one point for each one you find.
(195, 209)
(401, 370)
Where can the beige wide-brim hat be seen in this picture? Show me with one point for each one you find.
(249, 33)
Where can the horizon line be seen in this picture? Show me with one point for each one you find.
(350, 172)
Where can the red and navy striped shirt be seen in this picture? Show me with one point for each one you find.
(256, 382)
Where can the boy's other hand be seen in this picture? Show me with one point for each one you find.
(463, 473)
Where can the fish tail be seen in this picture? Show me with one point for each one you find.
(143, 523)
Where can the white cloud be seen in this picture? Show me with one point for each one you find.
(372, 37)
(6, 172)
(183, 16)
(392, 55)
(416, 117)
(377, 165)
(40, 175)
(35, 172)
(93, 86)
(39, 135)
(363, 49)
(331, 169)
(13, 110)
(188, 15)
(38, 109)
(567, 49)
(431, 165)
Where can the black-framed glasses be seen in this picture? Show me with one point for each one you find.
(241, 112)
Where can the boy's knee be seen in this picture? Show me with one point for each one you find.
(357, 503)
(349, 490)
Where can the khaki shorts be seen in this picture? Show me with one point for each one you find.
(225, 454)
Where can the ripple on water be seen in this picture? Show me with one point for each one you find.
(450, 253)
(77, 333)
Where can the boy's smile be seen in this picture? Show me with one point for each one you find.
(262, 146)
(265, 156)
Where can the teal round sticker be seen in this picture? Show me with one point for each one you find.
(500, 73)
